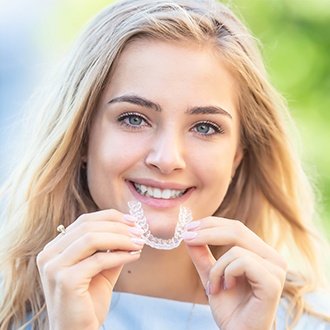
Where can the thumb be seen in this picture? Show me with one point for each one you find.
(203, 260)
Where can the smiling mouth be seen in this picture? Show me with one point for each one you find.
(158, 193)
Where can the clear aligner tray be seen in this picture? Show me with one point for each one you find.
(185, 217)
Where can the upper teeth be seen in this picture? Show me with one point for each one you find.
(158, 193)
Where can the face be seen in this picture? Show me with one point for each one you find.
(165, 133)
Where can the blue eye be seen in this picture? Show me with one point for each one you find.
(204, 128)
(207, 128)
(132, 120)
(135, 120)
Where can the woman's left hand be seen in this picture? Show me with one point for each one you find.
(245, 284)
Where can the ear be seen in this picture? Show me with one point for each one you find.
(237, 160)
(84, 154)
(83, 162)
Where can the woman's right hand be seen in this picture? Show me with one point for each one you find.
(79, 269)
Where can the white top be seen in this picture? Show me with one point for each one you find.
(136, 312)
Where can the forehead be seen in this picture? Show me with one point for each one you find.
(148, 51)
(186, 72)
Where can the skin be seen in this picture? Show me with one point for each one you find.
(168, 119)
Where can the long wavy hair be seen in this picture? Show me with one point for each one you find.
(269, 193)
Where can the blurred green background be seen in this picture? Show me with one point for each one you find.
(295, 38)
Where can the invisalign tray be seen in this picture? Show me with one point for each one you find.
(185, 217)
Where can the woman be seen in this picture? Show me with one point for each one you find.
(166, 103)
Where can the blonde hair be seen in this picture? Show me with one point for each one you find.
(269, 192)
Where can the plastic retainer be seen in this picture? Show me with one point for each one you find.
(185, 217)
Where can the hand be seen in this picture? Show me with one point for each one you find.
(245, 284)
(80, 268)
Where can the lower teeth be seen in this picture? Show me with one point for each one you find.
(185, 217)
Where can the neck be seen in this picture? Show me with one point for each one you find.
(163, 274)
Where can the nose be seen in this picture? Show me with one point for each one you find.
(166, 153)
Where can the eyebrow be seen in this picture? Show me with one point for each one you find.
(137, 100)
(213, 110)
(141, 101)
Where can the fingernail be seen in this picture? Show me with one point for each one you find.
(129, 218)
(135, 231)
(208, 288)
(193, 225)
(189, 235)
(138, 241)
(134, 252)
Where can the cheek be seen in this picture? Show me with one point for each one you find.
(106, 169)
(109, 160)
(214, 164)
(110, 155)
(214, 171)
(214, 180)
(217, 178)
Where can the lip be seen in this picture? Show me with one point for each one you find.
(159, 202)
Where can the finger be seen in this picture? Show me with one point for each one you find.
(203, 260)
(263, 282)
(103, 215)
(91, 266)
(239, 262)
(63, 241)
(78, 278)
(91, 243)
(84, 222)
(238, 252)
(219, 231)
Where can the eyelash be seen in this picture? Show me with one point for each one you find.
(217, 129)
(123, 120)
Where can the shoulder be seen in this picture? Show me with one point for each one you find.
(318, 302)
